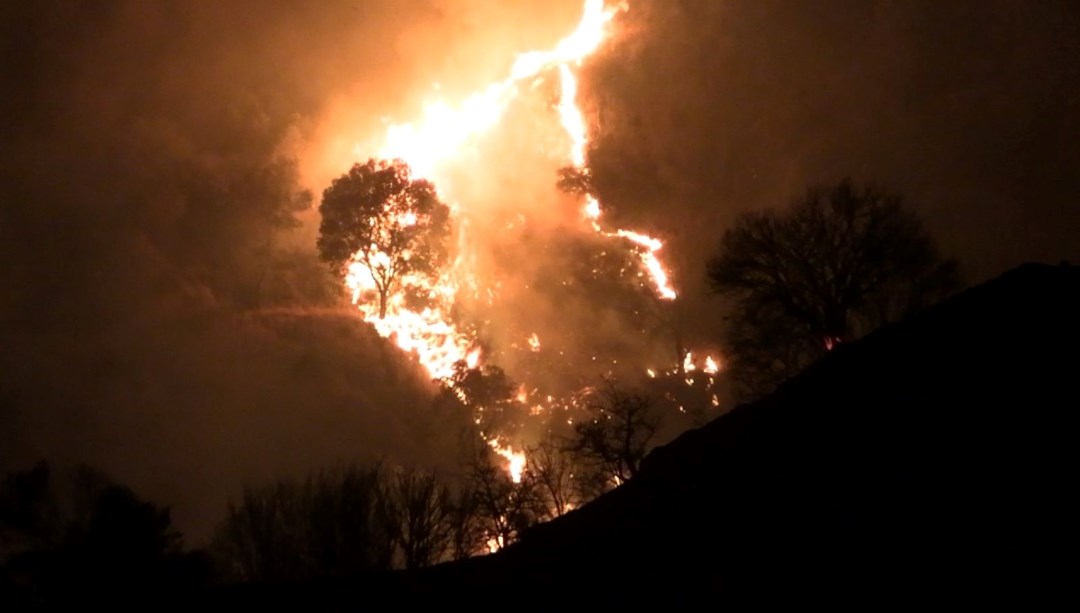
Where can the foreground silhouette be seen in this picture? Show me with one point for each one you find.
(838, 263)
(929, 461)
(76, 538)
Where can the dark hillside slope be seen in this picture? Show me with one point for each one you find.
(933, 461)
(934, 456)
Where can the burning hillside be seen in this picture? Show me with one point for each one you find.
(524, 261)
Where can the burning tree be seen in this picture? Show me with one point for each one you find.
(488, 393)
(502, 507)
(838, 263)
(377, 215)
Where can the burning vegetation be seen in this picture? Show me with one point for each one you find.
(512, 294)
(456, 285)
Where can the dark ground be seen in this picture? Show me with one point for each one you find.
(932, 462)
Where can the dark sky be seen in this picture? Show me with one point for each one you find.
(163, 316)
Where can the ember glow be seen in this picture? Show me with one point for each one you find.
(711, 365)
(688, 363)
(688, 368)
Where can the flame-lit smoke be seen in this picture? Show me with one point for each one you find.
(436, 146)
(445, 129)
(429, 144)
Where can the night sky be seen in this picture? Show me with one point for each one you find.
(164, 316)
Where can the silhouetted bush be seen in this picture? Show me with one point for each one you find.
(79, 537)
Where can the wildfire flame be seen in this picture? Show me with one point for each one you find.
(494, 544)
(711, 365)
(427, 333)
(429, 145)
(445, 129)
(688, 363)
(440, 135)
(515, 460)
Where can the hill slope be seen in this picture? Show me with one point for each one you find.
(932, 460)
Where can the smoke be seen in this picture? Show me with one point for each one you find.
(164, 316)
(528, 260)
(970, 109)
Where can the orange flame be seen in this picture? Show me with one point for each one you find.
(515, 460)
(445, 129)
(439, 136)
(427, 333)
(688, 362)
(711, 365)
(429, 145)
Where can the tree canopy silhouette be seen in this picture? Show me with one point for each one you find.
(613, 443)
(839, 262)
(393, 224)
(77, 536)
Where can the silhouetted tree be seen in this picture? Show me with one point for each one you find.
(502, 508)
(349, 520)
(79, 537)
(335, 522)
(575, 180)
(487, 394)
(836, 264)
(261, 537)
(613, 442)
(422, 517)
(30, 516)
(552, 468)
(467, 534)
(394, 224)
(346, 521)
